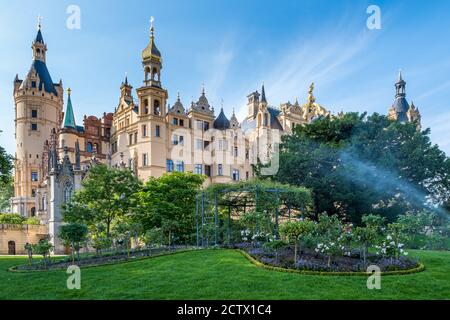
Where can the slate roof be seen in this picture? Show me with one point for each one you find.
(221, 122)
(44, 76)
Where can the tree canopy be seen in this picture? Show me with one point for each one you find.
(358, 164)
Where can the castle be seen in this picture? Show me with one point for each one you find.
(144, 134)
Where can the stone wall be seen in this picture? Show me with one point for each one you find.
(16, 236)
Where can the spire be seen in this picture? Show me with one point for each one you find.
(151, 51)
(203, 88)
(311, 98)
(126, 78)
(69, 118)
(400, 79)
(263, 94)
(400, 86)
(39, 37)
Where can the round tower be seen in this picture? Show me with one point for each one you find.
(38, 110)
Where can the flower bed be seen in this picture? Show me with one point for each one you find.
(310, 260)
(103, 259)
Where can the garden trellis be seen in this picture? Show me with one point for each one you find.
(229, 213)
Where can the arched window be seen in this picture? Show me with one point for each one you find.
(154, 74)
(156, 107)
(146, 71)
(67, 191)
(89, 147)
(33, 211)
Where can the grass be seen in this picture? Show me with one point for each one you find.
(219, 274)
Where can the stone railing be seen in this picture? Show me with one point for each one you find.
(39, 229)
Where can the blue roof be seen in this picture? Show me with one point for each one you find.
(39, 37)
(44, 76)
(80, 128)
(274, 123)
(221, 122)
(400, 104)
(69, 118)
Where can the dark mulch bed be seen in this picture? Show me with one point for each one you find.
(101, 259)
(310, 260)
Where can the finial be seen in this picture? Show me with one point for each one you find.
(203, 88)
(178, 96)
(311, 98)
(69, 91)
(126, 78)
(233, 112)
(39, 24)
(152, 29)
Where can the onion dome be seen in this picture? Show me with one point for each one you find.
(151, 51)
(221, 122)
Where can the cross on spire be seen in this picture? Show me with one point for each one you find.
(152, 29)
(39, 23)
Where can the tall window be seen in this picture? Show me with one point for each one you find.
(169, 165)
(130, 138)
(219, 169)
(156, 107)
(181, 123)
(67, 191)
(180, 166)
(199, 144)
(144, 130)
(198, 169)
(181, 140)
(158, 131)
(235, 151)
(175, 139)
(146, 106)
(144, 160)
(89, 147)
(34, 176)
(175, 121)
(235, 175)
(34, 126)
(34, 113)
(208, 170)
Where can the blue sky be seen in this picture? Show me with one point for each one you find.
(233, 47)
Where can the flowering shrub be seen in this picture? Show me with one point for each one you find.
(391, 246)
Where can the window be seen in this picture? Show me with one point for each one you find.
(205, 144)
(175, 139)
(144, 160)
(181, 123)
(144, 130)
(199, 144)
(67, 191)
(33, 211)
(180, 166)
(175, 121)
(206, 126)
(235, 175)
(199, 125)
(181, 140)
(219, 169)
(33, 193)
(34, 113)
(169, 165)
(34, 176)
(89, 147)
(208, 170)
(235, 151)
(130, 138)
(247, 175)
(156, 108)
(146, 106)
(135, 137)
(198, 169)
(33, 84)
(34, 126)
(158, 131)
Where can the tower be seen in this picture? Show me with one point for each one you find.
(38, 105)
(152, 110)
(400, 110)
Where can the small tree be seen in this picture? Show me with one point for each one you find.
(293, 231)
(74, 235)
(43, 248)
(330, 233)
(153, 237)
(368, 234)
(100, 242)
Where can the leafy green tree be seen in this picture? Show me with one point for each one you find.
(32, 221)
(74, 235)
(107, 194)
(6, 193)
(99, 241)
(358, 163)
(168, 203)
(43, 247)
(293, 231)
(368, 234)
(153, 237)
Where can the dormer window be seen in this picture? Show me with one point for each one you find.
(33, 84)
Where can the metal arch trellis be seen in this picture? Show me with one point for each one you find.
(240, 200)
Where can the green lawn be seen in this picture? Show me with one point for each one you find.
(219, 274)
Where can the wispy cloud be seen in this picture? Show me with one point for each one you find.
(434, 90)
